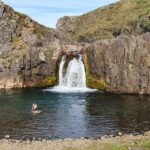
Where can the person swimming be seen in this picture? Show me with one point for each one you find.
(34, 109)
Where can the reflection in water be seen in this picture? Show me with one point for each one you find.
(71, 115)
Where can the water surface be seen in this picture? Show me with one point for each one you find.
(71, 115)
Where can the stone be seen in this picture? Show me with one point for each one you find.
(102, 137)
(7, 137)
(119, 133)
(1, 69)
(42, 57)
(1, 8)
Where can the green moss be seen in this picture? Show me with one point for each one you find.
(96, 84)
(51, 81)
(92, 82)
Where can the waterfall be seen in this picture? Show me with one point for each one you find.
(75, 74)
(61, 71)
(72, 77)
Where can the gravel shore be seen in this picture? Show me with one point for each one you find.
(124, 142)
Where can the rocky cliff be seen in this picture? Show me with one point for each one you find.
(114, 41)
(120, 65)
(27, 51)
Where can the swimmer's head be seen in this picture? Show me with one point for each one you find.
(34, 106)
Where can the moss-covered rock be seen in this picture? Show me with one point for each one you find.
(51, 81)
(96, 84)
(91, 81)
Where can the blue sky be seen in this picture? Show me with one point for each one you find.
(47, 12)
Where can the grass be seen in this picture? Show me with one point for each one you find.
(124, 16)
(140, 144)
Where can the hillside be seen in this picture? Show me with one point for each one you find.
(125, 16)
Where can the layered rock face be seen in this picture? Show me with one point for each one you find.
(120, 65)
(28, 51)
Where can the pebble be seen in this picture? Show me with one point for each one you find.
(131, 135)
(7, 137)
(110, 136)
(119, 133)
(102, 137)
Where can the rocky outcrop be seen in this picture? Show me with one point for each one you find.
(120, 65)
(28, 51)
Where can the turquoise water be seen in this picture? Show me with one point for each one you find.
(71, 115)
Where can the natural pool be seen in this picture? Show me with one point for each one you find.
(71, 115)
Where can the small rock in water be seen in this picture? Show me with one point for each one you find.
(119, 133)
(7, 137)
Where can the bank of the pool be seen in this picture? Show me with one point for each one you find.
(124, 142)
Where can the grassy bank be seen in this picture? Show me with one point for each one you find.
(125, 142)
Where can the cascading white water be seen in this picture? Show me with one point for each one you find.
(75, 74)
(61, 82)
(72, 78)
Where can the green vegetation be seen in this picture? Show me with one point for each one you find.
(17, 43)
(48, 54)
(125, 16)
(96, 84)
(145, 24)
(91, 81)
(41, 30)
(51, 81)
(133, 145)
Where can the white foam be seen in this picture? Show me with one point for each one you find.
(62, 89)
(71, 79)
